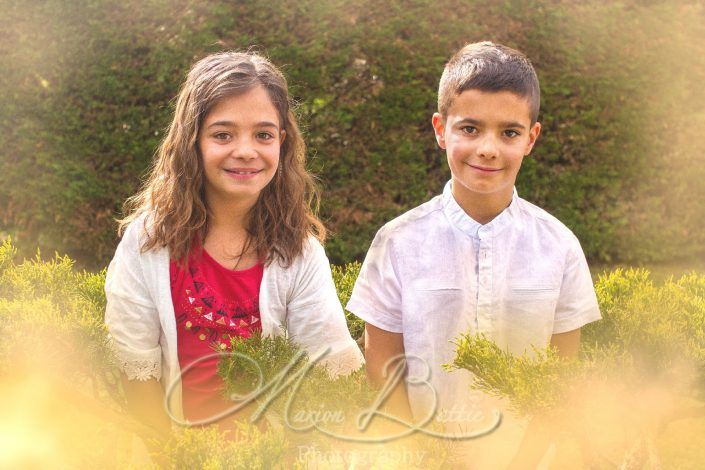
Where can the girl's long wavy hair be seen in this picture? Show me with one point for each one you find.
(173, 195)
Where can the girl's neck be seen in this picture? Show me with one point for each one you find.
(228, 215)
(227, 237)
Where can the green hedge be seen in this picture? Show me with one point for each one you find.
(87, 85)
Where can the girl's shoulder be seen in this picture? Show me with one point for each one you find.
(312, 252)
(136, 233)
(312, 255)
(312, 246)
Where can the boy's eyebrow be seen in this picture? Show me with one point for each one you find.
(232, 124)
(507, 124)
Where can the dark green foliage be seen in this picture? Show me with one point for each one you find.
(313, 405)
(271, 356)
(536, 383)
(267, 356)
(86, 87)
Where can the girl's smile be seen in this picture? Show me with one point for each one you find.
(243, 173)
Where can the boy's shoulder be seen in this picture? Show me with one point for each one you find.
(427, 223)
(542, 222)
(414, 221)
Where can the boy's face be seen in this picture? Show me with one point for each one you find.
(486, 136)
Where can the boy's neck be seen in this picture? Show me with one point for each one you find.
(482, 208)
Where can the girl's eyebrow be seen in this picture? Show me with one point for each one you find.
(232, 124)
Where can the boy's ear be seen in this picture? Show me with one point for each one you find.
(439, 129)
(533, 135)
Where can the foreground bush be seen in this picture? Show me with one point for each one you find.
(60, 382)
(640, 368)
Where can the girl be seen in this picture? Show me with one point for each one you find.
(221, 242)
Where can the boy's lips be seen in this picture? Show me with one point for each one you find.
(484, 168)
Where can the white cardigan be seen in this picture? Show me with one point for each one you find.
(299, 301)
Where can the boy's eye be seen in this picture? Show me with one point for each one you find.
(469, 129)
(511, 133)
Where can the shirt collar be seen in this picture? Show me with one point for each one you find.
(466, 224)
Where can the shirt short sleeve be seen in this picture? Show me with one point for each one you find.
(130, 314)
(376, 296)
(577, 303)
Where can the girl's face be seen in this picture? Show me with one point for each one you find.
(239, 142)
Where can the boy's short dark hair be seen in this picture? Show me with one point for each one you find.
(487, 66)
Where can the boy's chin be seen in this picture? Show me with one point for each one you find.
(481, 189)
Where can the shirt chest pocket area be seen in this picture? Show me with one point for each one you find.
(528, 312)
(433, 304)
(536, 299)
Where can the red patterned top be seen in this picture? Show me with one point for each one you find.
(212, 304)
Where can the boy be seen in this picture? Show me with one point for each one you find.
(477, 258)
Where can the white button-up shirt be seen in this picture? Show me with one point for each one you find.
(435, 273)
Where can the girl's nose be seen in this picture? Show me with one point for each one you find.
(244, 149)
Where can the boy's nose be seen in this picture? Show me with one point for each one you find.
(488, 147)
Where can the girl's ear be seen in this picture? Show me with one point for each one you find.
(282, 136)
(439, 129)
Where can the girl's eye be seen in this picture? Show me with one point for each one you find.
(221, 136)
(511, 133)
(265, 135)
